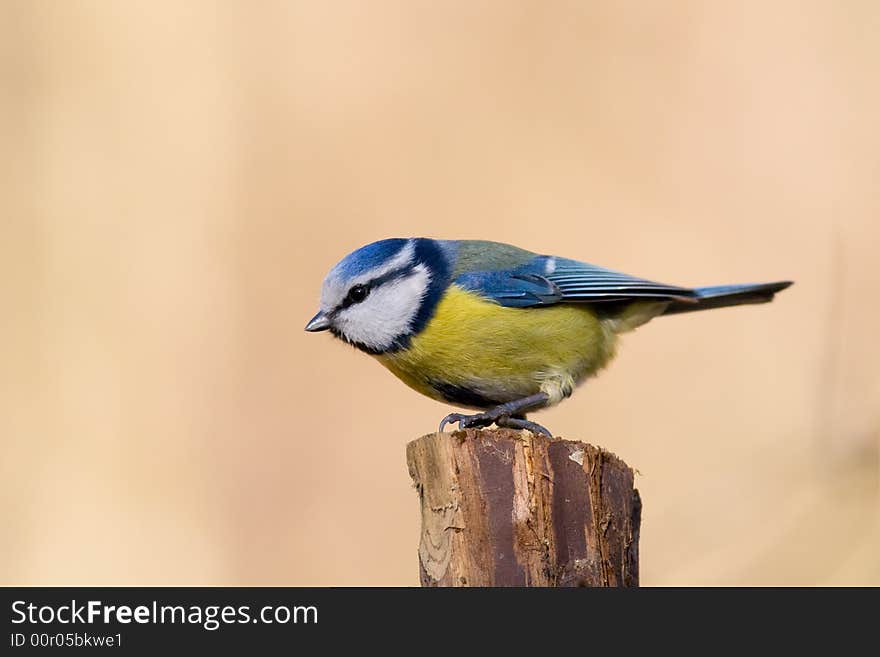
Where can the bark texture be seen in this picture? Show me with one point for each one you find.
(509, 508)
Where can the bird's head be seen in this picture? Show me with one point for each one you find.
(379, 296)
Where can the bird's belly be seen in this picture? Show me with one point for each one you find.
(478, 354)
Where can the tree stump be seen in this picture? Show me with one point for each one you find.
(510, 508)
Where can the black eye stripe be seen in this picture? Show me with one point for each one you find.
(390, 276)
(350, 299)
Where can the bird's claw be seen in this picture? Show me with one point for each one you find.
(479, 420)
(522, 423)
(455, 418)
(466, 421)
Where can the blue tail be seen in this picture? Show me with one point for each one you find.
(721, 296)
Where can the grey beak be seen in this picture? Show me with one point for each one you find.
(318, 323)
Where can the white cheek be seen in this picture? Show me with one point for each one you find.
(335, 289)
(386, 314)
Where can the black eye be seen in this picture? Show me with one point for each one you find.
(358, 293)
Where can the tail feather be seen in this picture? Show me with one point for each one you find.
(721, 296)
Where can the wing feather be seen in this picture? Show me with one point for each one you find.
(546, 280)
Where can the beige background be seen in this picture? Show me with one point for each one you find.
(176, 178)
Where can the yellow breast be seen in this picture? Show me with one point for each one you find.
(500, 354)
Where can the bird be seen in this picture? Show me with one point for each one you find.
(493, 327)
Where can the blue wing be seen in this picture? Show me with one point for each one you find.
(513, 288)
(546, 280)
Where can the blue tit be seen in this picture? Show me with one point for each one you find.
(493, 327)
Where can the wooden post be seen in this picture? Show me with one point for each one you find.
(509, 508)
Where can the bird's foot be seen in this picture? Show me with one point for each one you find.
(522, 423)
(500, 416)
(475, 421)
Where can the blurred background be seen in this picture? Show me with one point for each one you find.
(177, 178)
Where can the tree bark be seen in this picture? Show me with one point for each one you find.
(510, 508)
